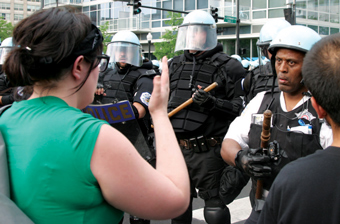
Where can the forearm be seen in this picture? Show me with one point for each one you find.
(229, 150)
(230, 107)
(141, 110)
(170, 161)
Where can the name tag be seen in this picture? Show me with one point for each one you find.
(112, 113)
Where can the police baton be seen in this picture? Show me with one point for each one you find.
(265, 136)
(189, 101)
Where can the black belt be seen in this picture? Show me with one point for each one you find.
(200, 143)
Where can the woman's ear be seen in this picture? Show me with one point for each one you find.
(78, 67)
(319, 110)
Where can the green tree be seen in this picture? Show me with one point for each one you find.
(6, 29)
(167, 47)
(107, 37)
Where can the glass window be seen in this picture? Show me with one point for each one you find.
(259, 4)
(216, 3)
(254, 48)
(93, 16)
(301, 14)
(244, 15)
(323, 6)
(324, 17)
(156, 24)
(334, 6)
(178, 5)
(230, 47)
(334, 18)
(301, 4)
(275, 13)
(244, 3)
(313, 15)
(257, 28)
(145, 24)
(93, 7)
(229, 30)
(245, 43)
(19, 7)
(276, 3)
(202, 4)
(259, 14)
(313, 5)
(190, 5)
(334, 30)
(244, 29)
(166, 5)
(323, 30)
(86, 9)
(156, 35)
(315, 28)
(156, 14)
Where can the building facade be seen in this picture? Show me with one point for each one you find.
(320, 15)
(15, 10)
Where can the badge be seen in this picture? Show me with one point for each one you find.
(306, 115)
(145, 98)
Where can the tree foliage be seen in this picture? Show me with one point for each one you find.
(6, 29)
(167, 47)
(107, 37)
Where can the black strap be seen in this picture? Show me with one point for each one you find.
(2, 109)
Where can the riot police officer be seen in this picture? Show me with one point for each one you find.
(6, 91)
(128, 77)
(261, 77)
(200, 127)
(296, 130)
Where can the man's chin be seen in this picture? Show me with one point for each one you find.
(121, 64)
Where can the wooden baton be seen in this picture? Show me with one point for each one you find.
(265, 136)
(189, 101)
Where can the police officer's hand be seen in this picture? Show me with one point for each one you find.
(100, 90)
(254, 163)
(200, 97)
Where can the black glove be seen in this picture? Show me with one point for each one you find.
(200, 97)
(253, 162)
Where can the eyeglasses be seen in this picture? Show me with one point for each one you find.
(102, 62)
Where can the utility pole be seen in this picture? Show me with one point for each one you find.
(237, 27)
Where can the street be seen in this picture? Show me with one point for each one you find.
(239, 209)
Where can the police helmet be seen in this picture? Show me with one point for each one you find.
(5, 48)
(245, 64)
(268, 32)
(155, 63)
(254, 64)
(296, 37)
(125, 48)
(197, 32)
(270, 29)
(237, 57)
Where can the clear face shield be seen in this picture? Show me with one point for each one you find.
(196, 37)
(126, 53)
(3, 54)
(262, 51)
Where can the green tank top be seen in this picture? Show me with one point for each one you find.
(50, 146)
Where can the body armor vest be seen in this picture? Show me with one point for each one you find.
(185, 76)
(294, 144)
(261, 80)
(121, 87)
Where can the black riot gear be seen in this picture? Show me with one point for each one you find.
(201, 126)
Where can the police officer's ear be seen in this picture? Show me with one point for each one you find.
(319, 109)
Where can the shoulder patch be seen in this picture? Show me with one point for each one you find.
(145, 98)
